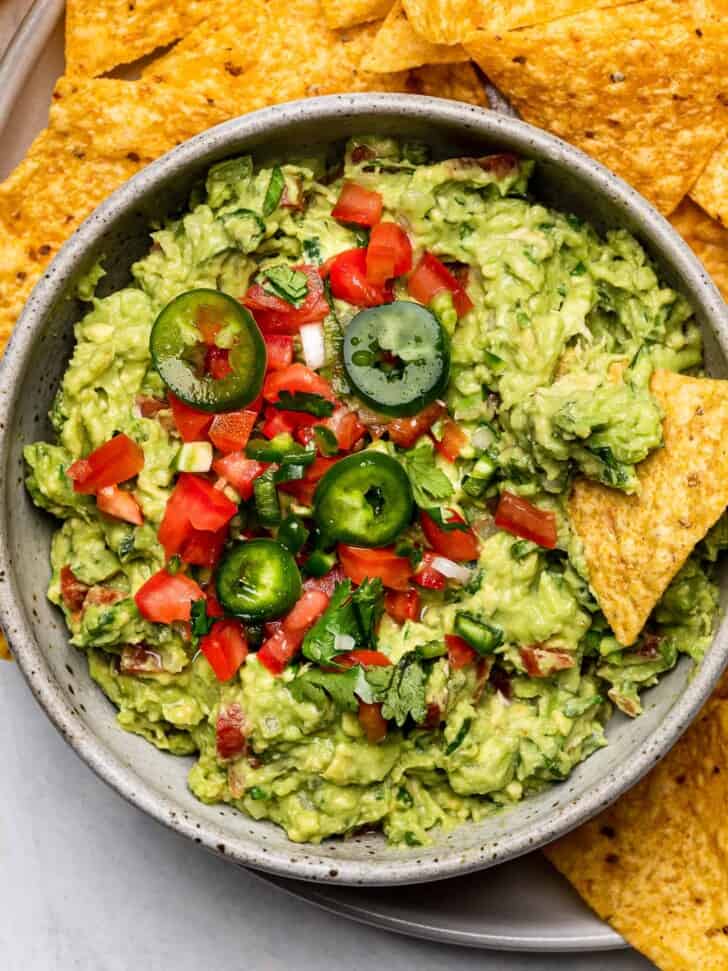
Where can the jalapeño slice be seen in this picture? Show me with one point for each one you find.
(181, 336)
(363, 500)
(397, 357)
(258, 580)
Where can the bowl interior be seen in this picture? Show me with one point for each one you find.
(32, 370)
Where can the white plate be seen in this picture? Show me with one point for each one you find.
(522, 905)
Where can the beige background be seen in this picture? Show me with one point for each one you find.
(11, 13)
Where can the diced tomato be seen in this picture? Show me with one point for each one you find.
(202, 547)
(217, 362)
(296, 377)
(371, 659)
(358, 205)
(122, 505)
(541, 662)
(455, 544)
(346, 426)
(405, 431)
(402, 605)
(279, 649)
(519, 516)
(225, 647)
(427, 576)
(73, 591)
(229, 731)
(195, 504)
(348, 278)
(213, 604)
(280, 351)
(113, 462)
(240, 471)
(167, 597)
(459, 652)
(431, 277)
(372, 721)
(149, 406)
(231, 430)
(275, 316)
(326, 583)
(192, 425)
(303, 489)
(389, 253)
(358, 563)
(453, 441)
(139, 659)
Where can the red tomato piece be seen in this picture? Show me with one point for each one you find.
(348, 278)
(207, 507)
(405, 431)
(192, 425)
(217, 362)
(427, 576)
(120, 504)
(459, 652)
(303, 489)
(389, 253)
(149, 406)
(431, 277)
(240, 471)
(280, 351)
(202, 547)
(139, 659)
(326, 583)
(455, 544)
(231, 430)
(541, 662)
(167, 597)
(402, 605)
(519, 516)
(358, 205)
(453, 441)
(229, 731)
(285, 642)
(113, 462)
(346, 426)
(373, 722)
(371, 659)
(296, 377)
(359, 563)
(275, 316)
(213, 604)
(225, 647)
(73, 591)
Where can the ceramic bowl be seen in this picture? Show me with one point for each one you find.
(32, 368)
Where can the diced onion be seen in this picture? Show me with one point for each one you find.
(484, 527)
(343, 643)
(482, 438)
(314, 347)
(451, 569)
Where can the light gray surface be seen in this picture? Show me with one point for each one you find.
(92, 884)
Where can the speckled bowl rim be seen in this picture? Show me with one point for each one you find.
(516, 136)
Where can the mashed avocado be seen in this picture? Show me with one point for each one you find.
(494, 672)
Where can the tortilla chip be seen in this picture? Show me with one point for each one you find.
(349, 13)
(711, 189)
(655, 865)
(634, 545)
(707, 238)
(641, 87)
(458, 82)
(102, 34)
(397, 47)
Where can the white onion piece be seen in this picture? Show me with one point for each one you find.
(314, 346)
(482, 438)
(343, 643)
(451, 569)
(484, 527)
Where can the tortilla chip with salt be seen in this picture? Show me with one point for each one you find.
(102, 34)
(707, 238)
(397, 47)
(458, 82)
(711, 190)
(634, 545)
(655, 865)
(349, 13)
(640, 87)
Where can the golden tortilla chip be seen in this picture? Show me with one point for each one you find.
(641, 87)
(102, 34)
(458, 82)
(349, 13)
(711, 189)
(707, 238)
(634, 545)
(397, 47)
(655, 865)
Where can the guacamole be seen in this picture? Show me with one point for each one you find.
(312, 466)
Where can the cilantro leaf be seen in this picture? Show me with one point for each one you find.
(401, 689)
(448, 525)
(343, 688)
(201, 623)
(285, 282)
(368, 601)
(274, 191)
(313, 404)
(430, 485)
(354, 614)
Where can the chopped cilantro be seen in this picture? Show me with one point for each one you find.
(274, 191)
(312, 404)
(429, 484)
(201, 623)
(459, 738)
(285, 282)
(350, 613)
(401, 689)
